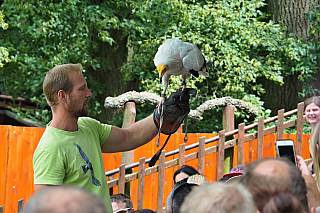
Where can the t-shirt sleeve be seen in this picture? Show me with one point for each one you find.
(104, 132)
(48, 169)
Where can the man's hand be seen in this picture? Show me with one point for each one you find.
(175, 109)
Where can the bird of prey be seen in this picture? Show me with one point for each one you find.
(175, 57)
(88, 166)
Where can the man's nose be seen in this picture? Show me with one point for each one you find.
(89, 94)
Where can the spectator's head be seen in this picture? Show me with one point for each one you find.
(177, 195)
(64, 199)
(121, 203)
(197, 179)
(312, 110)
(279, 173)
(183, 172)
(283, 202)
(270, 196)
(219, 197)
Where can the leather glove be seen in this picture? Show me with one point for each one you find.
(175, 109)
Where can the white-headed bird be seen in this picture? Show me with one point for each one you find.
(175, 57)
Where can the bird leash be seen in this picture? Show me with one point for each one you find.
(177, 108)
(155, 158)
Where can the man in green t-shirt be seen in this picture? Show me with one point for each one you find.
(70, 150)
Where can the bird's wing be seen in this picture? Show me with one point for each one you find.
(193, 60)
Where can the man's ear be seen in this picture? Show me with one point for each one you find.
(62, 96)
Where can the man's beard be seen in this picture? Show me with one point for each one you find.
(77, 112)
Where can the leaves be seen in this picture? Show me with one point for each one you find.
(237, 43)
(4, 54)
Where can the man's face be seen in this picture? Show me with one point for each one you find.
(181, 176)
(117, 207)
(312, 113)
(79, 97)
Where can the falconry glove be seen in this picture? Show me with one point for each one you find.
(170, 116)
(174, 110)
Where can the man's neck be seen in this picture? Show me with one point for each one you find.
(64, 121)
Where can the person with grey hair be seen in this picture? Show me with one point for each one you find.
(279, 173)
(197, 179)
(65, 199)
(219, 197)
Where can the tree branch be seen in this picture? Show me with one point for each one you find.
(153, 100)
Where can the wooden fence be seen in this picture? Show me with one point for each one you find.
(149, 187)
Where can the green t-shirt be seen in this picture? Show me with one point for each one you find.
(74, 158)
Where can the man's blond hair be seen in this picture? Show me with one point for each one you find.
(58, 79)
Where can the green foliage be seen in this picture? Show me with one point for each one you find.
(238, 46)
(43, 34)
(313, 16)
(4, 54)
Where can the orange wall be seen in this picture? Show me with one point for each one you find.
(17, 145)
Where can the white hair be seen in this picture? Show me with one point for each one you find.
(219, 197)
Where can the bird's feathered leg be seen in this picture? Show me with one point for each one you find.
(184, 85)
(163, 98)
(164, 80)
(185, 77)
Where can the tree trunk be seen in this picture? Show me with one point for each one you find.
(291, 14)
(281, 97)
(110, 78)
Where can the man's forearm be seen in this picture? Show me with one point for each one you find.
(143, 131)
(136, 135)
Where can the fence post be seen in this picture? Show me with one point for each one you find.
(142, 173)
(20, 205)
(182, 154)
(280, 124)
(129, 117)
(201, 155)
(240, 144)
(299, 129)
(220, 155)
(161, 181)
(228, 125)
(122, 178)
(260, 138)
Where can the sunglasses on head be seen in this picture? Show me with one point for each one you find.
(122, 210)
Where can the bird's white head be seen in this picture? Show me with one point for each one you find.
(162, 69)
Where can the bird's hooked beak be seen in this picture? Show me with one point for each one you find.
(162, 69)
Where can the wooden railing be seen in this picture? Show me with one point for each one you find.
(149, 186)
(179, 157)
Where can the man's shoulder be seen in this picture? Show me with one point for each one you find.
(52, 139)
(88, 121)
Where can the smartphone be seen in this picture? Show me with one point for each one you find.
(285, 148)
